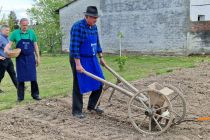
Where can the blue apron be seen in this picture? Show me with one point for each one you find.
(89, 62)
(25, 62)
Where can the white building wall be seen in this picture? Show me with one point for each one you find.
(199, 9)
(70, 14)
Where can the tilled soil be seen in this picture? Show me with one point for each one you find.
(52, 119)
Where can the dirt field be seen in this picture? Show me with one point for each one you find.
(52, 119)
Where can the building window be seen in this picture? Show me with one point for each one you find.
(201, 17)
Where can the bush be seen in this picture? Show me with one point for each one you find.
(121, 60)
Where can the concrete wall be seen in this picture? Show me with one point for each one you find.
(71, 14)
(199, 38)
(148, 26)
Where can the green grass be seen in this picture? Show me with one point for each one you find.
(55, 78)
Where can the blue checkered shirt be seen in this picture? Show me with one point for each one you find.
(79, 32)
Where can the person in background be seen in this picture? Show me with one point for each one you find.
(84, 47)
(26, 62)
(16, 27)
(6, 63)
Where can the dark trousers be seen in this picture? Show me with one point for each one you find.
(77, 99)
(21, 90)
(7, 65)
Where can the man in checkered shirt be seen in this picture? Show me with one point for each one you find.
(84, 47)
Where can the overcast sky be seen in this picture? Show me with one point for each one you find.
(19, 6)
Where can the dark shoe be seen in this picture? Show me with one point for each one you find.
(97, 110)
(20, 100)
(37, 98)
(79, 115)
(1, 91)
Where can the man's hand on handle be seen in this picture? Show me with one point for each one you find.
(79, 67)
(102, 61)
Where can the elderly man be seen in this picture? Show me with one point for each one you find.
(6, 63)
(26, 62)
(84, 47)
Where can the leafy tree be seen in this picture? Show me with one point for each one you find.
(46, 22)
(12, 20)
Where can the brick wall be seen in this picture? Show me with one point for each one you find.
(199, 38)
(200, 26)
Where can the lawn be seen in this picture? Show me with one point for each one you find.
(55, 78)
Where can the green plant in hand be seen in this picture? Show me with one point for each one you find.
(121, 62)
